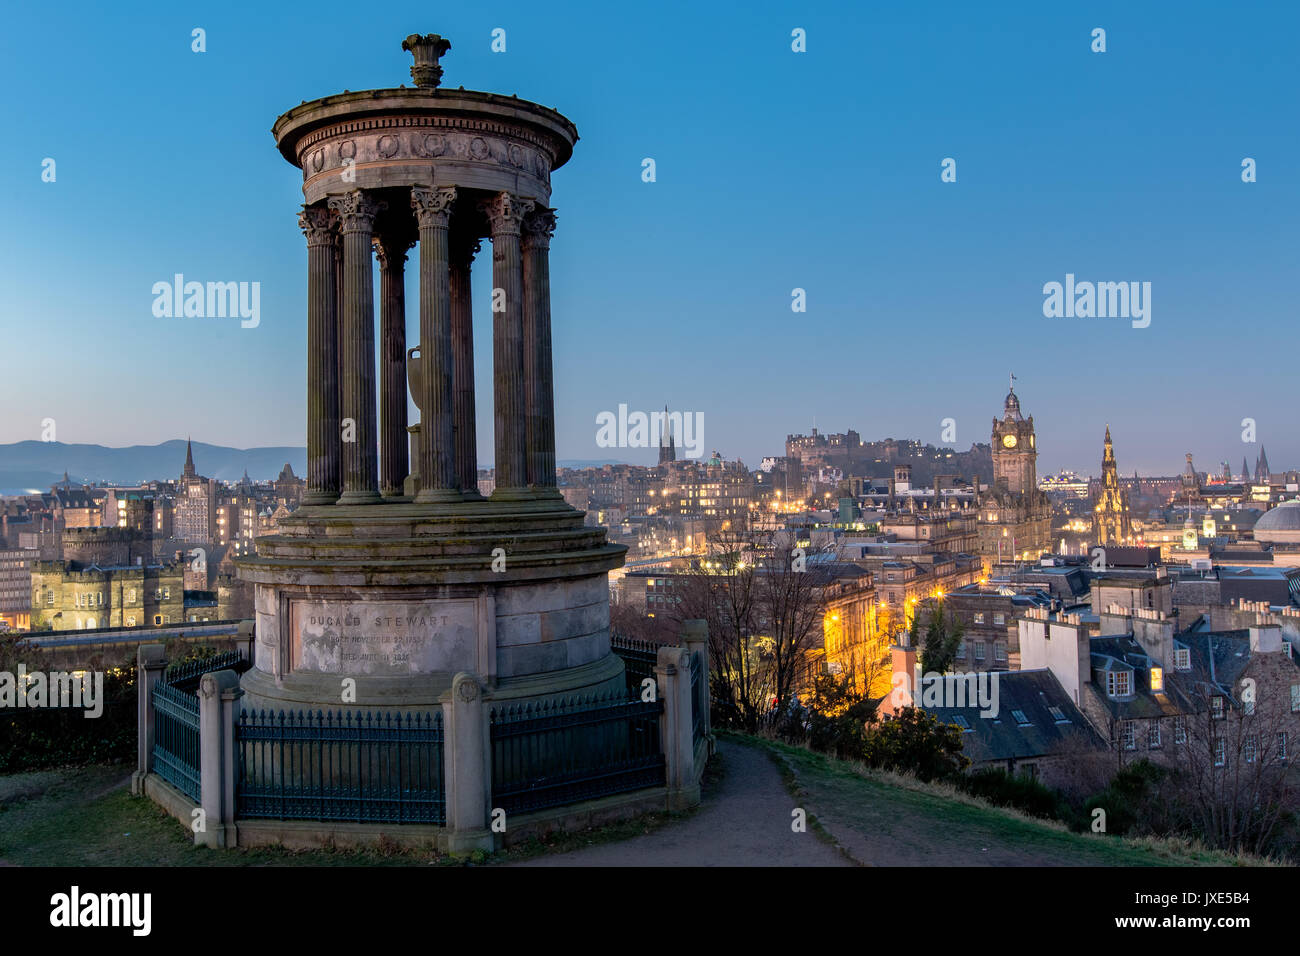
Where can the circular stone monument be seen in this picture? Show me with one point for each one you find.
(396, 572)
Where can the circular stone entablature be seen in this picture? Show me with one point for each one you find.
(379, 139)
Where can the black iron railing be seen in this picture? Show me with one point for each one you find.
(187, 674)
(639, 659)
(175, 755)
(557, 752)
(359, 767)
(698, 695)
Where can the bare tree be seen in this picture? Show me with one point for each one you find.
(764, 609)
(1234, 769)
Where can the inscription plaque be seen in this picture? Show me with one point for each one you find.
(384, 638)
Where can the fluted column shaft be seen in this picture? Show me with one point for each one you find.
(437, 452)
(505, 214)
(393, 438)
(338, 343)
(464, 423)
(539, 398)
(323, 452)
(357, 213)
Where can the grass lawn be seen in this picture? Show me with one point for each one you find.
(86, 816)
(886, 820)
(89, 818)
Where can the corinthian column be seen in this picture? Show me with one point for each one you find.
(505, 213)
(463, 249)
(322, 359)
(437, 453)
(357, 212)
(393, 439)
(539, 397)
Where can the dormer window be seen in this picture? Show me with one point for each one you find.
(1157, 679)
(1182, 659)
(1119, 683)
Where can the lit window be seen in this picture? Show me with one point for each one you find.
(1157, 679)
(979, 617)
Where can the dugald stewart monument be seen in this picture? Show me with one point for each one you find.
(396, 572)
(424, 655)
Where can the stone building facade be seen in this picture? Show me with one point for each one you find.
(68, 596)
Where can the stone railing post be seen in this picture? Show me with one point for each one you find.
(244, 637)
(695, 638)
(467, 766)
(673, 677)
(219, 695)
(149, 667)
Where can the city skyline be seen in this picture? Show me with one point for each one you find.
(920, 299)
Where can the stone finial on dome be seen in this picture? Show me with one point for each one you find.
(427, 50)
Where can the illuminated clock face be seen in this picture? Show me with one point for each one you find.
(1008, 441)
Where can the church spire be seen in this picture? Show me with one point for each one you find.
(1110, 520)
(1261, 467)
(668, 449)
(189, 460)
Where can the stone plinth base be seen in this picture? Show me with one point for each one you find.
(378, 607)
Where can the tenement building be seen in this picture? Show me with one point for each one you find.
(195, 510)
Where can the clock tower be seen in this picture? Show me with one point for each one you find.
(1015, 517)
(1015, 456)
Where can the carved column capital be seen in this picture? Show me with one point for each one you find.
(505, 213)
(356, 211)
(539, 226)
(463, 249)
(318, 225)
(391, 250)
(432, 205)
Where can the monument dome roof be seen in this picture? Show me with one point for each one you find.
(1285, 517)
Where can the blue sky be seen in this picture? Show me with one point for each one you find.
(776, 170)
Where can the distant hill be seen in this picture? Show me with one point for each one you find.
(27, 465)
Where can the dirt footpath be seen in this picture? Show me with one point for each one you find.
(744, 821)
